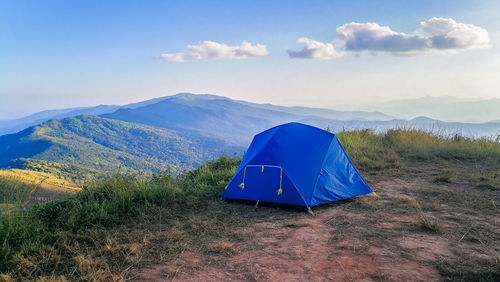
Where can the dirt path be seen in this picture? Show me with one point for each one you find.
(45, 192)
(367, 239)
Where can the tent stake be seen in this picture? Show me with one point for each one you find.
(310, 211)
(256, 204)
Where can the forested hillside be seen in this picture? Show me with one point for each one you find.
(108, 145)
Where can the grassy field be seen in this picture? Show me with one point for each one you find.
(449, 192)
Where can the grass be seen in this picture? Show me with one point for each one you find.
(389, 150)
(123, 222)
(51, 238)
(37, 176)
(15, 188)
(426, 223)
(445, 176)
(16, 185)
(489, 181)
(369, 152)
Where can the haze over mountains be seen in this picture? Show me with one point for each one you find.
(15, 125)
(177, 132)
(445, 108)
(12, 126)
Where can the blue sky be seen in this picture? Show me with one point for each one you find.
(57, 54)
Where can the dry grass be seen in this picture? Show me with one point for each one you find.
(16, 185)
(15, 188)
(489, 180)
(31, 176)
(445, 176)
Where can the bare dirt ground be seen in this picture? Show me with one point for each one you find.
(45, 192)
(412, 230)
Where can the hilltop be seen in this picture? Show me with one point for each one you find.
(433, 218)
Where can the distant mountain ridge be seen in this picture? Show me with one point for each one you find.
(237, 121)
(445, 108)
(16, 125)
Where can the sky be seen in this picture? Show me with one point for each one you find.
(60, 54)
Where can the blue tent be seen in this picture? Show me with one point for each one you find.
(296, 164)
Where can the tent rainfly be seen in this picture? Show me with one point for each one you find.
(296, 164)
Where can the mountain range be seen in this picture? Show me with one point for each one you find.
(16, 125)
(178, 132)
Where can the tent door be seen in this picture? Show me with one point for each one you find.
(266, 180)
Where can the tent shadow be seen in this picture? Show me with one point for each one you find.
(289, 207)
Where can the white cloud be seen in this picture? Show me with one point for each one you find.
(447, 34)
(434, 36)
(209, 50)
(315, 50)
(373, 37)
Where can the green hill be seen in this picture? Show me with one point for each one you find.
(107, 145)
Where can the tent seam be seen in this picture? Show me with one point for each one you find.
(296, 189)
(350, 162)
(321, 168)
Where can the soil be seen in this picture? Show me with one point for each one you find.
(372, 238)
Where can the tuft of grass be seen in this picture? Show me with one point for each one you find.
(445, 176)
(428, 224)
(489, 181)
(366, 203)
(425, 222)
(226, 248)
